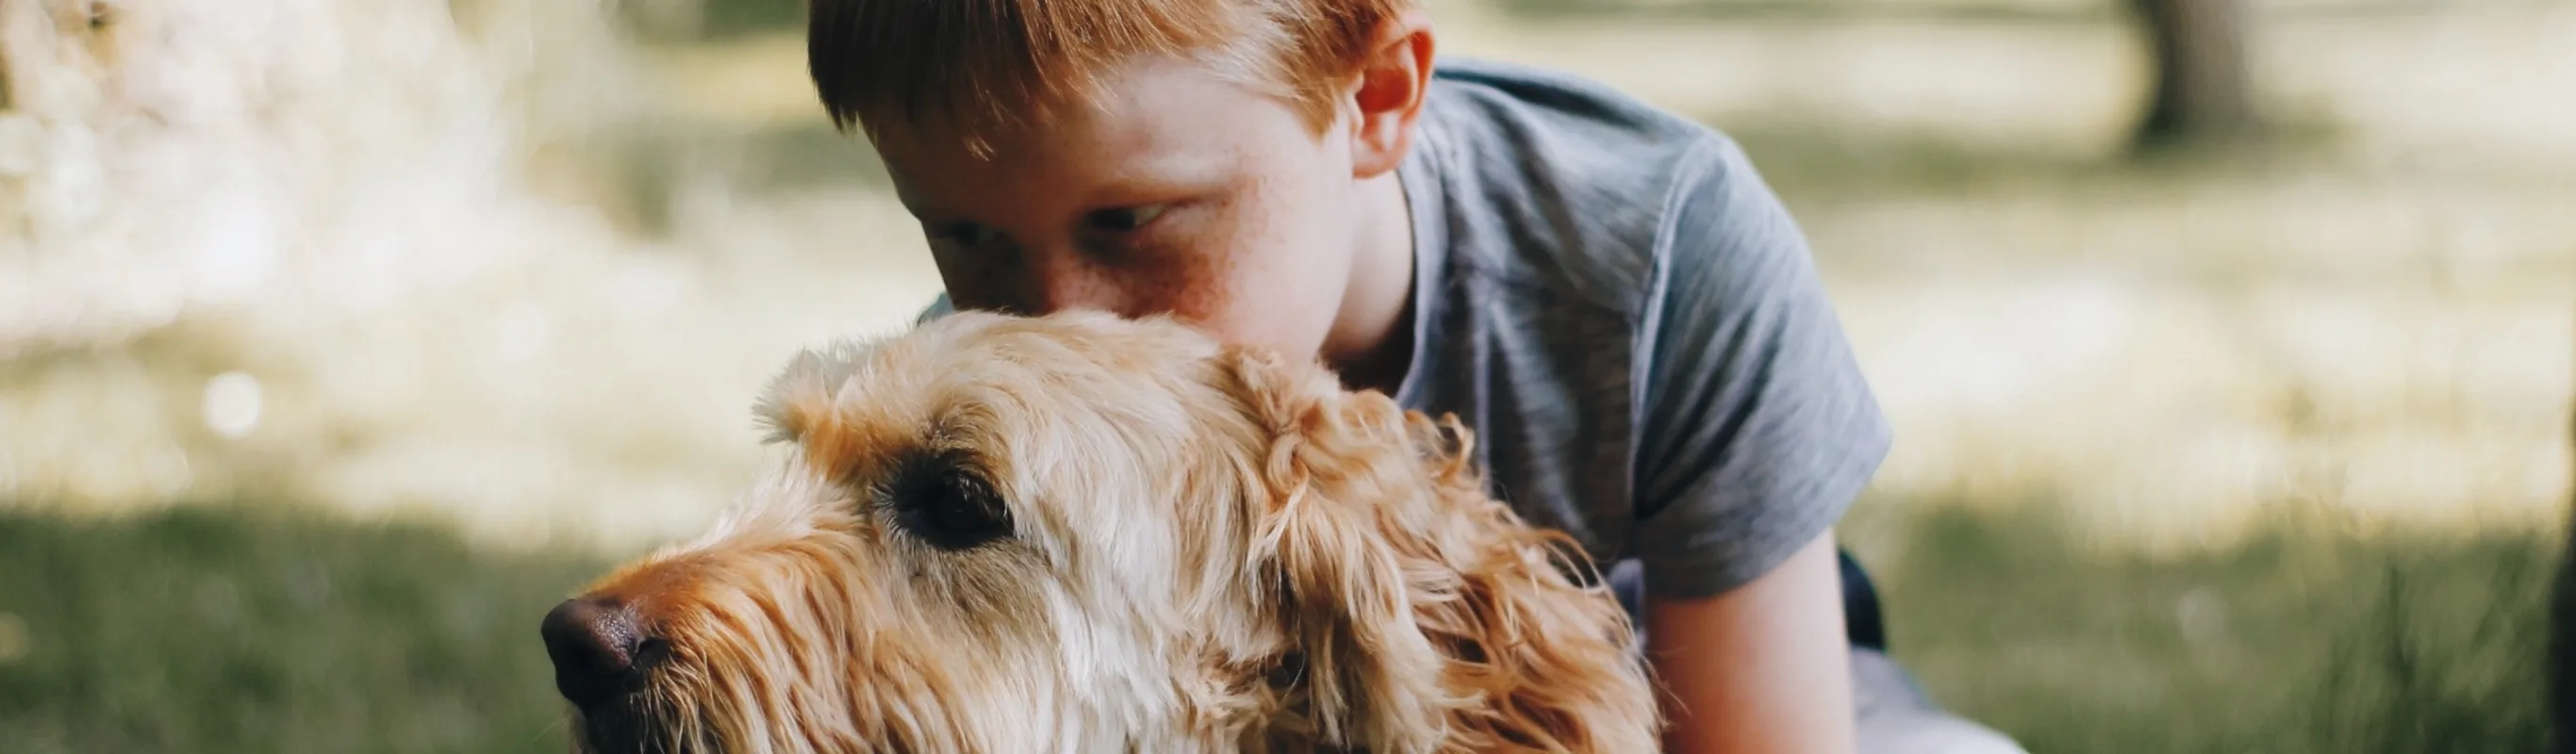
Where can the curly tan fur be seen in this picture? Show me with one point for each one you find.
(1209, 549)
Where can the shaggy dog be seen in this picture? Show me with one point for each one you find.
(1083, 533)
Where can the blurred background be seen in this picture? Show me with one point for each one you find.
(2228, 342)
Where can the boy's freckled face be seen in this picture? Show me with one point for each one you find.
(1179, 193)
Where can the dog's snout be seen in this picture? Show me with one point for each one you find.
(596, 646)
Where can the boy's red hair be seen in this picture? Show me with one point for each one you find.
(979, 67)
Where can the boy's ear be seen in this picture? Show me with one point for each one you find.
(1387, 94)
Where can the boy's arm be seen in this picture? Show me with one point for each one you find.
(1761, 668)
(1760, 430)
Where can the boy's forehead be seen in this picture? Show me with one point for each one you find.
(1154, 121)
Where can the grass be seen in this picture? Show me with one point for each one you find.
(216, 630)
(2297, 641)
(197, 630)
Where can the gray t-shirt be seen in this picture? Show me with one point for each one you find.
(1619, 306)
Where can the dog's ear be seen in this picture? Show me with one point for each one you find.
(803, 407)
(799, 400)
(1430, 617)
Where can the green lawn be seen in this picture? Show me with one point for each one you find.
(199, 631)
(2297, 642)
(204, 631)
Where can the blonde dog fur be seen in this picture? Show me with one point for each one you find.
(1168, 545)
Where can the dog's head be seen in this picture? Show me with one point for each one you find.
(1083, 533)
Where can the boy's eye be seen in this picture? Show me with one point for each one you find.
(1123, 219)
(967, 234)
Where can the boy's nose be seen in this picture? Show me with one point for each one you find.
(1068, 279)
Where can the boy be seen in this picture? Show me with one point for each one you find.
(1607, 294)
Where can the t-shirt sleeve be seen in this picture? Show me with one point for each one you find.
(1758, 426)
(939, 307)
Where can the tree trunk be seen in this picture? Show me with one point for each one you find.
(2202, 82)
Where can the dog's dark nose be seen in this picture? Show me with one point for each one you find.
(596, 647)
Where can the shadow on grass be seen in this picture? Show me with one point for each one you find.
(2298, 641)
(200, 630)
(224, 630)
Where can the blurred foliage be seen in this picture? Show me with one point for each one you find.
(710, 20)
(1952, 10)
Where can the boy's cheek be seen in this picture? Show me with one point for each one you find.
(972, 285)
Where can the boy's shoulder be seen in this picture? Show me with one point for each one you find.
(1509, 95)
(1552, 179)
(1606, 286)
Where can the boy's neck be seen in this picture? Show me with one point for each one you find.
(1371, 343)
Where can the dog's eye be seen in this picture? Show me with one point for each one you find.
(947, 504)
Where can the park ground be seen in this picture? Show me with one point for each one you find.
(2258, 453)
